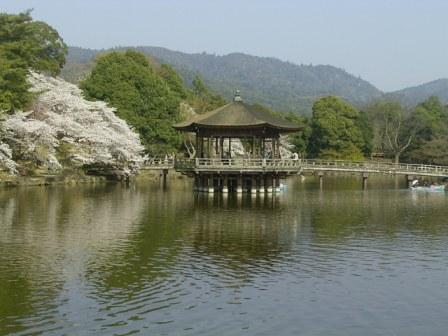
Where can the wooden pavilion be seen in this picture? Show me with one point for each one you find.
(216, 167)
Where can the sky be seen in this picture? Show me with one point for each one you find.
(391, 43)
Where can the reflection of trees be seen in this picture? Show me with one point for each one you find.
(149, 254)
(45, 234)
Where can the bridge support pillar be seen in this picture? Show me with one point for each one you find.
(239, 184)
(253, 188)
(261, 184)
(225, 187)
(321, 179)
(365, 177)
(164, 174)
(276, 182)
(211, 187)
(204, 183)
(269, 182)
(197, 183)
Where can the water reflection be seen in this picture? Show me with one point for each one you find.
(116, 260)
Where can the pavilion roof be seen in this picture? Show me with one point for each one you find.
(237, 114)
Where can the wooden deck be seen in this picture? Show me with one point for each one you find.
(290, 166)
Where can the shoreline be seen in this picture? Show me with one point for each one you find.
(12, 181)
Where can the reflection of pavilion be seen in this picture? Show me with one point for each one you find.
(217, 167)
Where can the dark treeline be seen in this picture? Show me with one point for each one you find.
(151, 97)
(337, 130)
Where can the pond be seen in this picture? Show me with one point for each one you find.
(121, 260)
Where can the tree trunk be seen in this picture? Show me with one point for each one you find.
(397, 158)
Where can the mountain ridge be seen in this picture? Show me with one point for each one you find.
(281, 85)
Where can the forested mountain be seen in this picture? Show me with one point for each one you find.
(280, 85)
(413, 95)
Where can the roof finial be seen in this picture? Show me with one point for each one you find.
(237, 97)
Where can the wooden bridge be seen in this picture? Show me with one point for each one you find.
(260, 175)
(291, 166)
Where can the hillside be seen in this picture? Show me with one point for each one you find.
(416, 94)
(281, 85)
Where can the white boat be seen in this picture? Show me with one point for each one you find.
(433, 188)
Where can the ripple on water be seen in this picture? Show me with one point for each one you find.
(140, 261)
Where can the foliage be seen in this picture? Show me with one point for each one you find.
(174, 81)
(395, 126)
(282, 86)
(63, 129)
(202, 99)
(366, 132)
(412, 96)
(141, 95)
(431, 140)
(335, 133)
(25, 44)
(299, 140)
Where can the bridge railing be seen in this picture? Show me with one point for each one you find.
(309, 164)
(372, 165)
(158, 163)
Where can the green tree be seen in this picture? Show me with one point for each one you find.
(365, 127)
(335, 132)
(431, 139)
(300, 140)
(395, 127)
(25, 44)
(142, 97)
(173, 80)
(202, 99)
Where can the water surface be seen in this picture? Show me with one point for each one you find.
(116, 260)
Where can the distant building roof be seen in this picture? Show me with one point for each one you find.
(239, 115)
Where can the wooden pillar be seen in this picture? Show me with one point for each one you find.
(263, 145)
(269, 181)
(197, 146)
(253, 188)
(197, 183)
(261, 184)
(239, 184)
(221, 143)
(276, 182)
(211, 187)
(253, 147)
(277, 142)
(201, 140)
(209, 147)
(164, 173)
(225, 184)
(230, 147)
(321, 179)
(364, 180)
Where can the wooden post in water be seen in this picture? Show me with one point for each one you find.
(164, 173)
(261, 185)
(239, 184)
(364, 180)
(253, 188)
(321, 179)
(225, 186)
(211, 187)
